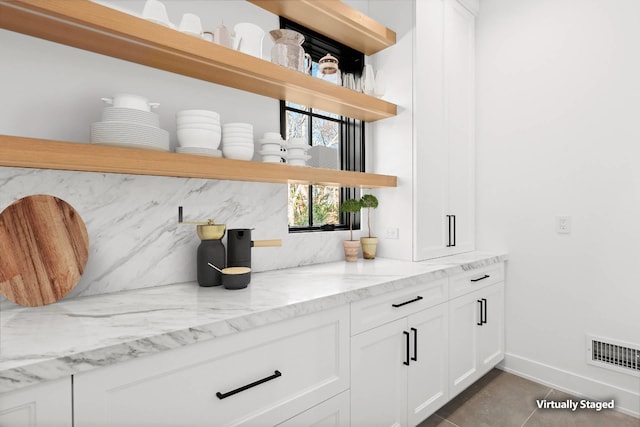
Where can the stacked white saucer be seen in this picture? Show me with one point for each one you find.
(199, 132)
(296, 151)
(133, 126)
(272, 150)
(237, 141)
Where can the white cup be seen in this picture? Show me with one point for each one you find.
(155, 11)
(190, 24)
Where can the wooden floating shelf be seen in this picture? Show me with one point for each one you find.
(336, 20)
(97, 28)
(47, 154)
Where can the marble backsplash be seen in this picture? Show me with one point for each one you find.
(134, 237)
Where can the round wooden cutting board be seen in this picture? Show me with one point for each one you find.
(44, 248)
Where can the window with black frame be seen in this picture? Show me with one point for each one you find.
(337, 141)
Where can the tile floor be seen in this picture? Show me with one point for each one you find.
(500, 399)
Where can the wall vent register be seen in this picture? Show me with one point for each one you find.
(619, 356)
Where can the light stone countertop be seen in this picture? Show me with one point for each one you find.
(79, 334)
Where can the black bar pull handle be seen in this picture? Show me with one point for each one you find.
(449, 225)
(481, 313)
(486, 276)
(454, 230)
(484, 320)
(406, 360)
(418, 298)
(275, 375)
(415, 344)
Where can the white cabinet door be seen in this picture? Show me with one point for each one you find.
(459, 101)
(428, 370)
(259, 377)
(463, 342)
(42, 405)
(444, 122)
(379, 376)
(476, 335)
(331, 413)
(491, 339)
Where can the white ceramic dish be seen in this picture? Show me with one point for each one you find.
(130, 135)
(198, 138)
(141, 131)
(116, 114)
(237, 153)
(237, 140)
(237, 133)
(247, 126)
(199, 113)
(127, 100)
(212, 128)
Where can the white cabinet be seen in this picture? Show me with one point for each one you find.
(259, 377)
(43, 405)
(399, 369)
(476, 336)
(444, 121)
(331, 413)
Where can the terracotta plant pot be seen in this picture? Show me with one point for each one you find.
(351, 249)
(369, 246)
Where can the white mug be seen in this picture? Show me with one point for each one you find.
(191, 24)
(155, 11)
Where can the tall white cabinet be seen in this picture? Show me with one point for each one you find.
(444, 122)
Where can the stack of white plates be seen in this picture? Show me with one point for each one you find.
(296, 152)
(272, 150)
(237, 141)
(199, 132)
(130, 127)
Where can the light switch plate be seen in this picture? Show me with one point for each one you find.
(563, 224)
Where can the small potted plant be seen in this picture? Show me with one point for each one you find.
(369, 244)
(351, 247)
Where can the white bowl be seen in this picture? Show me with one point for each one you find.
(237, 132)
(213, 128)
(198, 138)
(195, 120)
(237, 152)
(199, 113)
(236, 140)
(247, 126)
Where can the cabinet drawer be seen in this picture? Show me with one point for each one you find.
(375, 311)
(259, 377)
(470, 281)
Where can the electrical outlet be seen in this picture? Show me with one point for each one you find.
(392, 233)
(563, 224)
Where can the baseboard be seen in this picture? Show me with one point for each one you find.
(627, 401)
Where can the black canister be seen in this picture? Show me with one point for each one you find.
(210, 251)
(239, 247)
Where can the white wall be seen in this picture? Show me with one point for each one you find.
(557, 134)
